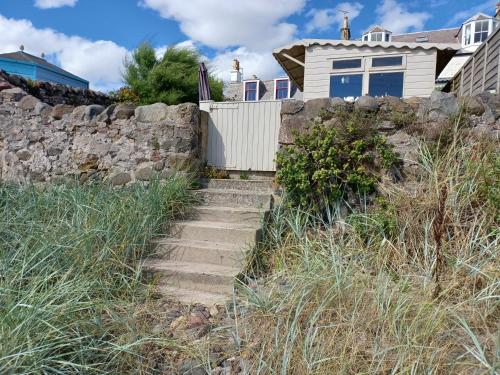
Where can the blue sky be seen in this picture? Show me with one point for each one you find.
(91, 38)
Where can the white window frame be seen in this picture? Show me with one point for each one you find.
(492, 24)
(368, 36)
(341, 71)
(276, 88)
(257, 95)
(388, 68)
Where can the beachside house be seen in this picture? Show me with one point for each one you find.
(381, 63)
(38, 69)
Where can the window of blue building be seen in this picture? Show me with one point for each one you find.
(386, 84)
(346, 85)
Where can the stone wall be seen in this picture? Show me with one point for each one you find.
(52, 93)
(119, 143)
(403, 122)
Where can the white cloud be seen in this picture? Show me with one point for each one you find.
(261, 64)
(487, 7)
(397, 18)
(100, 61)
(47, 4)
(258, 24)
(325, 19)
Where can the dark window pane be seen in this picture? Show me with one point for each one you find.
(282, 89)
(387, 61)
(346, 85)
(251, 91)
(347, 64)
(387, 37)
(386, 84)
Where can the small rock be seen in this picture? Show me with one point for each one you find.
(152, 113)
(120, 179)
(366, 103)
(180, 321)
(42, 109)
(214, 311)
(386, 126)
(472, 105)
(123, 111)
(192, 367)
(12, 95)
(53, 151)
(196, 319)
(4, 85)
(60, 110)
(144, 174)
(28, 103)
(23, 155)
(442, 105)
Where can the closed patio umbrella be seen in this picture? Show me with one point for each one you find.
(203, 84)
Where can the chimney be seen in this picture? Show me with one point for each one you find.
(236, 72)
(497, 14)
(345, 31)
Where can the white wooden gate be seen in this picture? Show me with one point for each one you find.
(242, 135)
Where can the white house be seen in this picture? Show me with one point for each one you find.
(381, 63)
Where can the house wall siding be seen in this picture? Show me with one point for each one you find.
(419, 67)
(18, 68)
(43, 74)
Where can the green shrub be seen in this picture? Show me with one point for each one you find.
(70, 273)
(171, 79)
(328, 161)
(212, 172)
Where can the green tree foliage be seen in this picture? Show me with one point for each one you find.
(332, 158)
(172, 79)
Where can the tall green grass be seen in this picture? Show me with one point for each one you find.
(411, 286)
(70, 273)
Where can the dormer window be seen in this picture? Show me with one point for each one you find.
(251, 91)
(481, 31)
(281, 89)
(477, 29)
(377, 34)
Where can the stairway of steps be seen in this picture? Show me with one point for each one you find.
(204, 253)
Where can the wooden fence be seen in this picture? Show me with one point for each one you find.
(482, 71)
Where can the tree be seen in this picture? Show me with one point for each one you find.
(172, 79)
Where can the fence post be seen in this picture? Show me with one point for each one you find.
(485, 63)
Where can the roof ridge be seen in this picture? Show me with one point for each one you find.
(427, 31)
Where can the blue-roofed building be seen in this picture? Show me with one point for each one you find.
(38, 69)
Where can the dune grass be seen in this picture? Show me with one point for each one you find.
(70, 273)
(408, 286)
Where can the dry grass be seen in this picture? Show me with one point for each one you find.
(410, 287)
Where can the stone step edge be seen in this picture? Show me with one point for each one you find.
(209, 245)
(216, 225)
(157, 265)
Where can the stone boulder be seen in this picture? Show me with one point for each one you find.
(123, 111)
(338, 103)
(92, 111)
(314, 107)
(185, 115)
(153, 113)
(472, 105)
(60, 110)
(28, 103)
(442, 106)
(407, 147)
(367, 104)
(12, 95)
(393, 104)
(491, 105)
(291, 107)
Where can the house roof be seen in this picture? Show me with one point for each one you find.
(292, 57)
(456, 63)
(376, 29)
(433, 36)
(27, 58)
(478, 17)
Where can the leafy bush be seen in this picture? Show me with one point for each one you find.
(125, 95)
(172, 79)
(70, 273)
(358, 296)
(328, 161)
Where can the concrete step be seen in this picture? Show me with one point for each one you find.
(223, 254)
(235, 198)
(190, 297)
(265, 186)
(235, 233)
(193, 276)
(229, 214)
